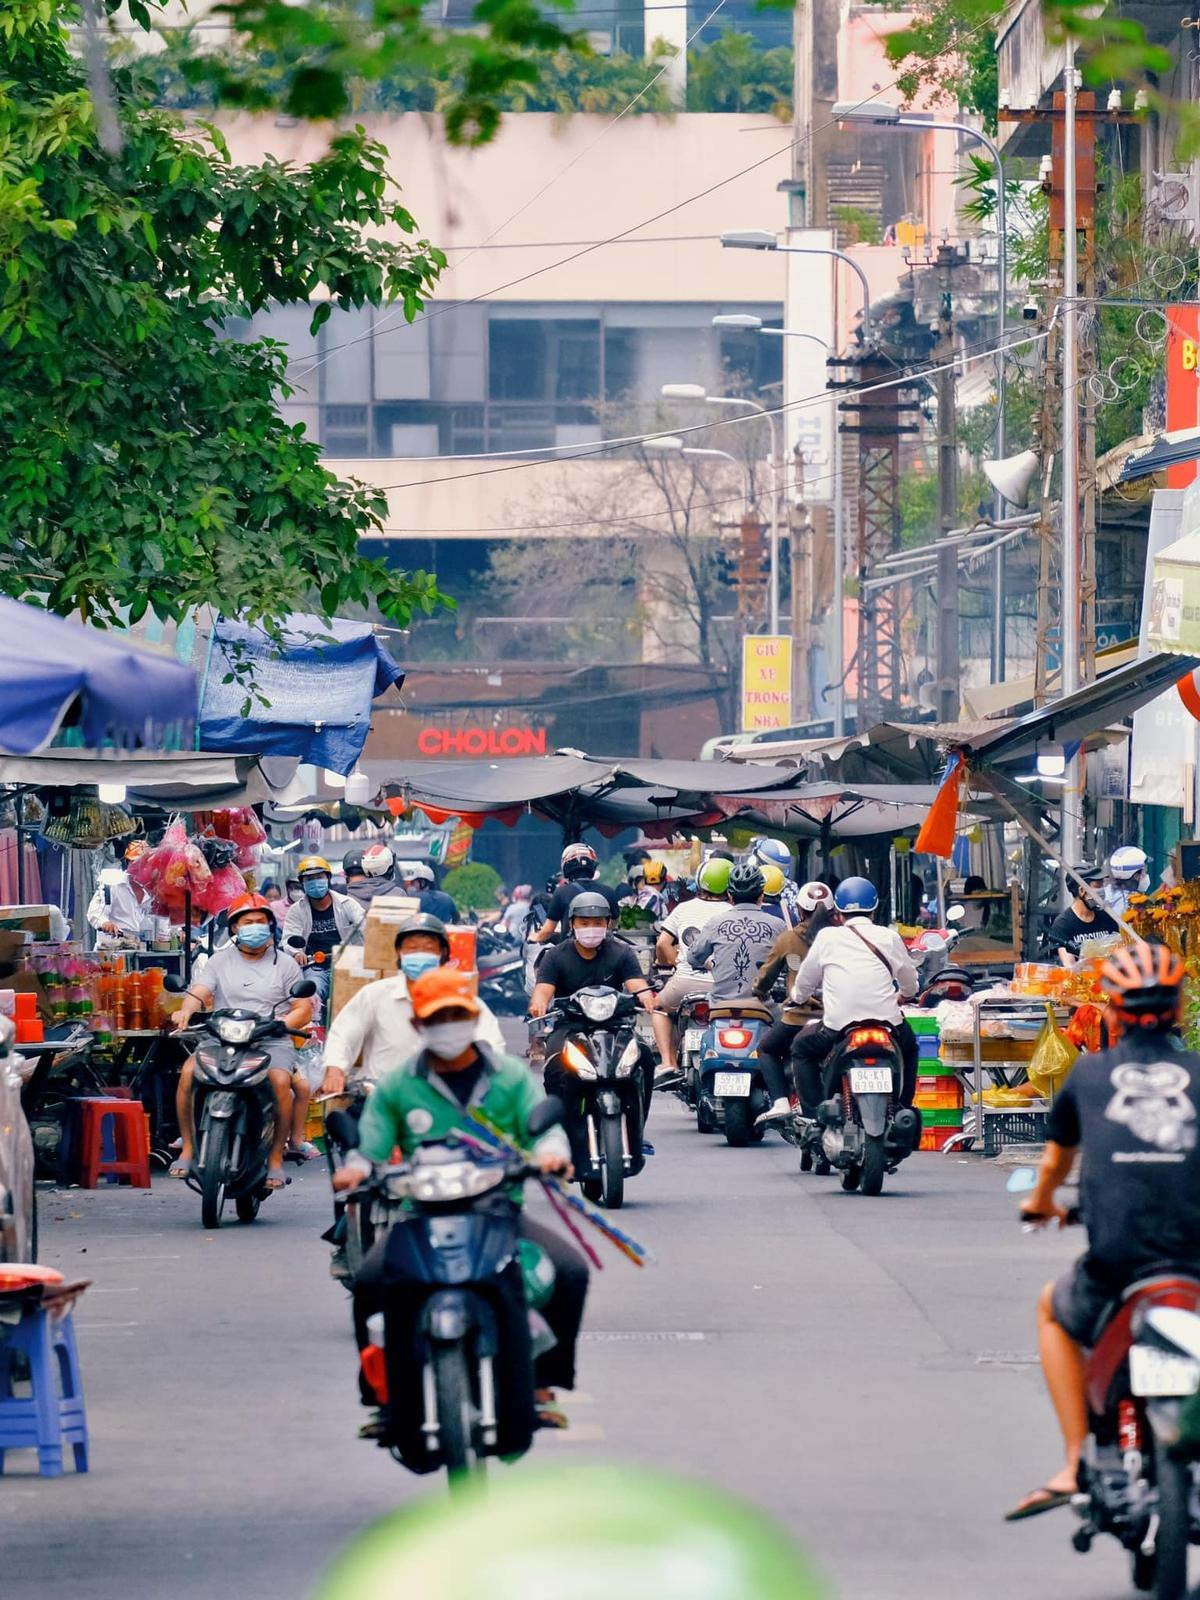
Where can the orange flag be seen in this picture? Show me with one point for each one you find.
(936, 837)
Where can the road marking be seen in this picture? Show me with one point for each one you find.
(1006, 1358)
(109, 1261)
(115, 1288)
(97, 1327)
(645, 1336)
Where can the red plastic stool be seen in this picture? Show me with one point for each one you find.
(132, 1147)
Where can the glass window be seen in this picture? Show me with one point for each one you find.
(543, 358)
(344, 430)
(346, 340)
(517, 367)
(620, 362)
(578, 365)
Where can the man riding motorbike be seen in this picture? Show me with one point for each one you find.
(370, 871)
(578, 869)
(814, 903)
(680, 931)
(774, 853)
(733, 945)
(1133, 1112)
(418, 880)
(251, 972)
(323, 919)
(862, 971)
(430, 1096)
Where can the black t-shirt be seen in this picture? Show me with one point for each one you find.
(1070, 932)
(611, 967)
(461, 1084)
(561, 899)
(324, 935)
(1135, 1111)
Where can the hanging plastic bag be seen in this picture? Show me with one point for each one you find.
(1053, 1057)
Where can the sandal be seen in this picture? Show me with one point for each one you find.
(180, 1168)
(1039, 1500)
(304, 1151)
(276, 1180)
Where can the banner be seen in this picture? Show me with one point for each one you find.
(766, 682)
(1183, 379)
(1163, 733)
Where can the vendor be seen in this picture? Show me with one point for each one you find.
(976, 912)
(1075, 932)
(120, 909)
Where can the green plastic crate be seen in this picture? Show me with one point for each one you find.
(926, 1025)
(950, 1118)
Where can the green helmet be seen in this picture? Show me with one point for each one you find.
(713, 876)
(617, 1530)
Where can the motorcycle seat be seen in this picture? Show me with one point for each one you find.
(750, 1007)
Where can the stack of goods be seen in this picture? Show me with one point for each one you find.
(23, 1010)
(1078, 985)
(376, 956)
(95, 991)
(939, 1093)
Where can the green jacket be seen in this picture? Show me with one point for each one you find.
(413, 1106)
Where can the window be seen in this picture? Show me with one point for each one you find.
(543, 359)
(516, 360)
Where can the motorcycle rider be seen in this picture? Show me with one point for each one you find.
(733, 945)
(680, 930)
(814, 902)
(1133, 1112)
(774, 853)
(370, 871)
(428, 1097)
(1127, 875)
(417, 880)
(251, 972)
(578, 869)
(515, 917)
(1084, 923)
(863, 971)
(323, 919)
(640, 894)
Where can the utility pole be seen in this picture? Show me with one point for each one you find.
(801, 542)
(949, 688)
(1072, 800)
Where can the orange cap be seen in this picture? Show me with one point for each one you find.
(441, 989)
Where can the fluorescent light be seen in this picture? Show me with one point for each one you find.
(112, 794)
(1051, 761)
(683, 391)
(738, 319)
(359, 789)
(1038, 777)
(666, 442)
(749, 239)
(110, 876)
(876, 112)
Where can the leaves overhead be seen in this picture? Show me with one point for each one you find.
(143, 460)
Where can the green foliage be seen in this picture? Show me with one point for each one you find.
(857, 226)
(734, 73)
(143, 461)
(950, 48)
(472, 886)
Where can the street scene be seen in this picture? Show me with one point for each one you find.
(599, 800)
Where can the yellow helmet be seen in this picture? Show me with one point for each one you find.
(773, 880)
(655, 873)
(313, 864)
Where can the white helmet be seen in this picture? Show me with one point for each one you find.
(1127, 864)
(377, 861)
(415, 872)
(811, 895)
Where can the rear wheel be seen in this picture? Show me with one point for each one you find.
(612, 1163)
(214, 1173)
(739, 1130)
(851, 1178)
(873, 1167)
(455, 1410)
(1171, 1546)
(806, 1160)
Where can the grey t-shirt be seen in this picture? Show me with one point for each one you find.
(238, 980)
(738, 942)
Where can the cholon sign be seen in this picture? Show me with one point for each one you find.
(482, 741)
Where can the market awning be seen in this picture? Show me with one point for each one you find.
(55, 673)
(1168, 450)
(189, 780)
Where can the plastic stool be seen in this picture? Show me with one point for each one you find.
(130, 1157)
(53, 1415)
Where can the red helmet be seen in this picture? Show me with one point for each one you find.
(246, 902)
(1143, 985)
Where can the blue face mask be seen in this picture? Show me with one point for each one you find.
(316, 888)
(418, 962)
(252, 936)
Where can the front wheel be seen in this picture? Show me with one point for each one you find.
(851, 1179)
(455, 1411)
(739, 1129)
(214, 1173)
(874, 1166)
(247, 1206)
(612, 1163)
(1171, 1546)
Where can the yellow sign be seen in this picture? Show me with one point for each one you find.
(766, 682)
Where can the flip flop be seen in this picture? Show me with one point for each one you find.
(277, 1180)
(304, 1151)
(182, 1169)
(1039, 1500)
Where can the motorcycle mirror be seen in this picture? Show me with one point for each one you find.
(302, 988)
(174, 984)
(934, 941)
(296, 942)
(956, 913)
(547, 1114)
(1021, 1180)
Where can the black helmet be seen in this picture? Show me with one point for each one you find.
(591, 903)
(423, 923)
(746, 882)
(352, 862)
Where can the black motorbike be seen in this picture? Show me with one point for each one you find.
(458, 1363)
(501, 966)
(864, 1130)
(606, 1072)
(233, 1104)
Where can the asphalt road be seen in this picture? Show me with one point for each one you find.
(863, 1369)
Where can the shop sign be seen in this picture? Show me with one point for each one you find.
(1183, 377)
(435, 741)
(766, 682)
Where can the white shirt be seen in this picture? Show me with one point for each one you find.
(120, 903)
(854, 983)
(377, 1022)
(684, 925)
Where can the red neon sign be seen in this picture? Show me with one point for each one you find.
(482, 741)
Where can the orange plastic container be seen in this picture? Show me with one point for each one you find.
(937, 1138)
(462, 948)
(24, 1007)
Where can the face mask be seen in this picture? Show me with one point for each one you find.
(419, 961)
(449, 1039)
(253, 936)
(316, 888)
(590, 938)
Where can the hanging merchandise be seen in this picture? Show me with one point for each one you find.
(172, 870)
(241, 827)
(79, 820)
(1053, 1057)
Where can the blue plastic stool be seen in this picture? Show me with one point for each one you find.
(53, 1415)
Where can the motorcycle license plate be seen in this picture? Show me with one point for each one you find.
(691, 1040)
(731, 1085)
(871, 1080)
(1160, 1372)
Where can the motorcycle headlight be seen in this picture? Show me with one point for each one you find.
(459, 1180)
(597, 1007)
(235, 1030)
(629, 1059)
(577, 1061)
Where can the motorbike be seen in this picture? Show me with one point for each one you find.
(864, 1130)
(606, 1066)
(1141, 1375)
(732, 1092)
(693, 1023)
(233, 1105)
(457, 1376)
(501, 973)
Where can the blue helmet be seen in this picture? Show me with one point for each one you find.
(856, 894)
(776, 853)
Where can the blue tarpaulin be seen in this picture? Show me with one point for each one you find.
(53, 670)
(318, 685)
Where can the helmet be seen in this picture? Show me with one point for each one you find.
(423, 923)
(591, 903)
(1127, 864)
(578, 861)
(246, 902)
(776, 852)
(856, 894)
(713, 877)
(377, 860)
(636, 873)
(655, 873)
(352, 862)
(523, 891)
(313, 864)
(811, 896)
(1143, 985)
(416, 872)
(745, 882)
(773, 881)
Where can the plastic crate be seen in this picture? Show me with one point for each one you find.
(937, 1138)
(924, 1025)
(945, 1117)
(1002, 1128)
(936, 1102)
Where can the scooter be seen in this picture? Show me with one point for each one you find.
(732, 1091)
(692, 1023)
(1137, 1481)
(501, 974)
(865, 1131)
(454, 1375)
(233, 1104)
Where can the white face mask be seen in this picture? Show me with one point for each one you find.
(449, 1039)
(590, 938)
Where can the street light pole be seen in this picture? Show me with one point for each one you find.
(759, 239)
(1072, 818)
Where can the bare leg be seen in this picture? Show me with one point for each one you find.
(301, 1093)
(183, 1110)
(1063, 1369)
(663, 1037)
(281, 1082)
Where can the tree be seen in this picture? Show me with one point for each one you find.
(472, 886)
(143, 460)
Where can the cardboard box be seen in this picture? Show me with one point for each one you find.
(386, 913)
(30, 919)
(349, 976)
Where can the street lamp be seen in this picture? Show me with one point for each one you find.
(750, 324)
(760, 239)
(669, 444)
(697, 391)
(880, 115)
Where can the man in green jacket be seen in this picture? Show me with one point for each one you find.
(429, 1097)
